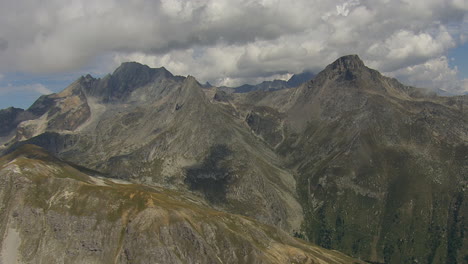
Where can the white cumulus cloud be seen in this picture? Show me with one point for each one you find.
(435, 73)
(227, 41)
(35, 88)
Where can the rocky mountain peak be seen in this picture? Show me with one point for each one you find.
(88, 77)
(86, 80)
(136, 72)
(191, 79)
(350, 68)
(348, 62)
(128, 77)
(130, 67)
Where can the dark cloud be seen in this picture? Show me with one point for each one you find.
(3, 44)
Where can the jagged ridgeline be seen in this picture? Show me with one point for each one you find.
(350, 160)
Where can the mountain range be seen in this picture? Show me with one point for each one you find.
(350, 160)
(294, 81)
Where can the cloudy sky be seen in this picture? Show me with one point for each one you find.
(44, 45)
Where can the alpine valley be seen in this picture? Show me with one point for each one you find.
(142, 166)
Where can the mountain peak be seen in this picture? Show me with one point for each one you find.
(130, 65)
(125, 79)
(136, 68)
(345, 68)
(348, 62)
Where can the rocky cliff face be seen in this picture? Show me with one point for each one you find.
(9, 120)
(382, 168)
(62, 112)
(165, 131)
(54, 213)
(367, 165)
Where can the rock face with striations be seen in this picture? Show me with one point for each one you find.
(358, 161)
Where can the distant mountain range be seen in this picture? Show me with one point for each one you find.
(294, 81)
(347, 159)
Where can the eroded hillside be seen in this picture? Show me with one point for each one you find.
(54, 213)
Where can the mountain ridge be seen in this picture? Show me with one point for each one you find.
(318, 159)
(294, 81)
(101, 220)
